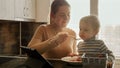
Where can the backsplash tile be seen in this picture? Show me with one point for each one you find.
(10, 38)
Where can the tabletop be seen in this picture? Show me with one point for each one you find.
(34, 63)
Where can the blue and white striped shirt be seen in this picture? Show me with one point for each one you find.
(94, 46)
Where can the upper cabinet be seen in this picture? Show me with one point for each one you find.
(24, 10)
(7, 9)
(42, 10)
(21, 10)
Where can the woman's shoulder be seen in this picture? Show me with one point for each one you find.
(41, 28)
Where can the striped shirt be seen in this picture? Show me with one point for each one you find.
(95, 47)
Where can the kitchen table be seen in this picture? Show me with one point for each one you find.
(58, 63)
(17, 62)
(33, 63)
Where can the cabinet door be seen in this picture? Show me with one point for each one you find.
(29, 9)
(24, 9)
(19, 9)
(42, 11)
(7, 9)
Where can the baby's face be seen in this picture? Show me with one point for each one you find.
(86, 31)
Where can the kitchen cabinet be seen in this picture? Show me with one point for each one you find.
(17, 10)
(42, 10)
(24, 10)
(7, 9)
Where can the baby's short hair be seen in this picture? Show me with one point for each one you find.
(93, 20)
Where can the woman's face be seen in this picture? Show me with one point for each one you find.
(62, 16)
(86, 31)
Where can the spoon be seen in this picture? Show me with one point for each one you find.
(74, 37)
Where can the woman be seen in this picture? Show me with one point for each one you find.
(54, 40)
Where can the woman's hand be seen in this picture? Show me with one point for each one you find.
(59, 38)
(73, 54)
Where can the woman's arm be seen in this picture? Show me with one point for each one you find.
(36, 41)
(74, 47)
(42, 46)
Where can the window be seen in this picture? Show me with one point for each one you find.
(110, 24)
(108, 13)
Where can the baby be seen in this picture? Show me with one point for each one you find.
(89, 28)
